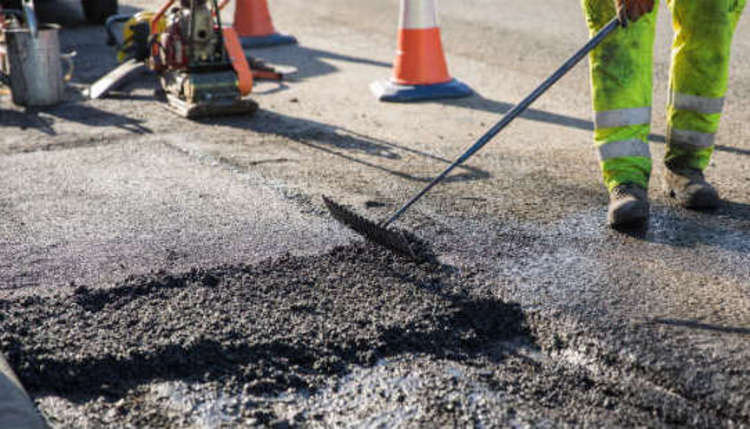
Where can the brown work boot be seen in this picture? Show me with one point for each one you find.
(628, 206)
(690, 189)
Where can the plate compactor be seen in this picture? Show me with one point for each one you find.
(202, 68)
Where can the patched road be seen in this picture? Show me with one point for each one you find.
(160, 272)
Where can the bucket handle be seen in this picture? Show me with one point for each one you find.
(68, 59)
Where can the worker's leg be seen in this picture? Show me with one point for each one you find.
(699, 74)
(621, 91)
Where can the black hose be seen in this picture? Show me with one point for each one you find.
(111, 38)
(217, 12)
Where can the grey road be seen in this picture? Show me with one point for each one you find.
(157, 271)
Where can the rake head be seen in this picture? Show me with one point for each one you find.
(374, 232)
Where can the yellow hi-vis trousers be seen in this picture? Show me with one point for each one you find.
(621, 75)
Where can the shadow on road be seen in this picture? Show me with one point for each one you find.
(299, 63)
(702, 326)
(734, 210)
(309, 62)
(341, 142)
(477, 102)
(73, 112)
(93, 117)
(678, 227)
(24, 120)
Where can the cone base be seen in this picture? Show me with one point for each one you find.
(387, 90)
(274, 39)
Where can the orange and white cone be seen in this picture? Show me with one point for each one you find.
(419, 71)
(252, 21)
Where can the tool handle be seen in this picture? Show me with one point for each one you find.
(512, 114)
(31, 21)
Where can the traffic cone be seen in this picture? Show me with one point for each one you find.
(419, 71)
(252, 20)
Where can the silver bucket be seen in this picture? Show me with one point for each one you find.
(36, 72)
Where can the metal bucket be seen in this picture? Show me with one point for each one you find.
(36, 72)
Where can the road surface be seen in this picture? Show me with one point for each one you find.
(165, 272)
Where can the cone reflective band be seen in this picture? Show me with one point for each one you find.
(252, 21)
(420, 71)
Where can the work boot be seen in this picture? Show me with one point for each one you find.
(690, 189)
(628, 206)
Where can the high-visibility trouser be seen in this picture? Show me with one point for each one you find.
(699, 77)
(621, 70)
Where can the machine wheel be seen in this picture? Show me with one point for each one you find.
(97, 11)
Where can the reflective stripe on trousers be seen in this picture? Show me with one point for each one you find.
(622, 117)
(685, 146)
(696, 103)
(621, 140)
(622, 149)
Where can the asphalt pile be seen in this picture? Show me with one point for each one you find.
(289, 323)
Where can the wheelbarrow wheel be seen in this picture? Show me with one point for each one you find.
(97, 11)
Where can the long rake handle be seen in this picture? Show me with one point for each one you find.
(512, 114)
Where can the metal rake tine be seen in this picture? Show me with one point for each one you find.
(373, 232)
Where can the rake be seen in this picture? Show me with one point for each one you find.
(396, 240)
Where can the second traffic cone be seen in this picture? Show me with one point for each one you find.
(420, 71)
(252, 20)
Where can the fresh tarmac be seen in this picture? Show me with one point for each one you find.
(157, 271)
